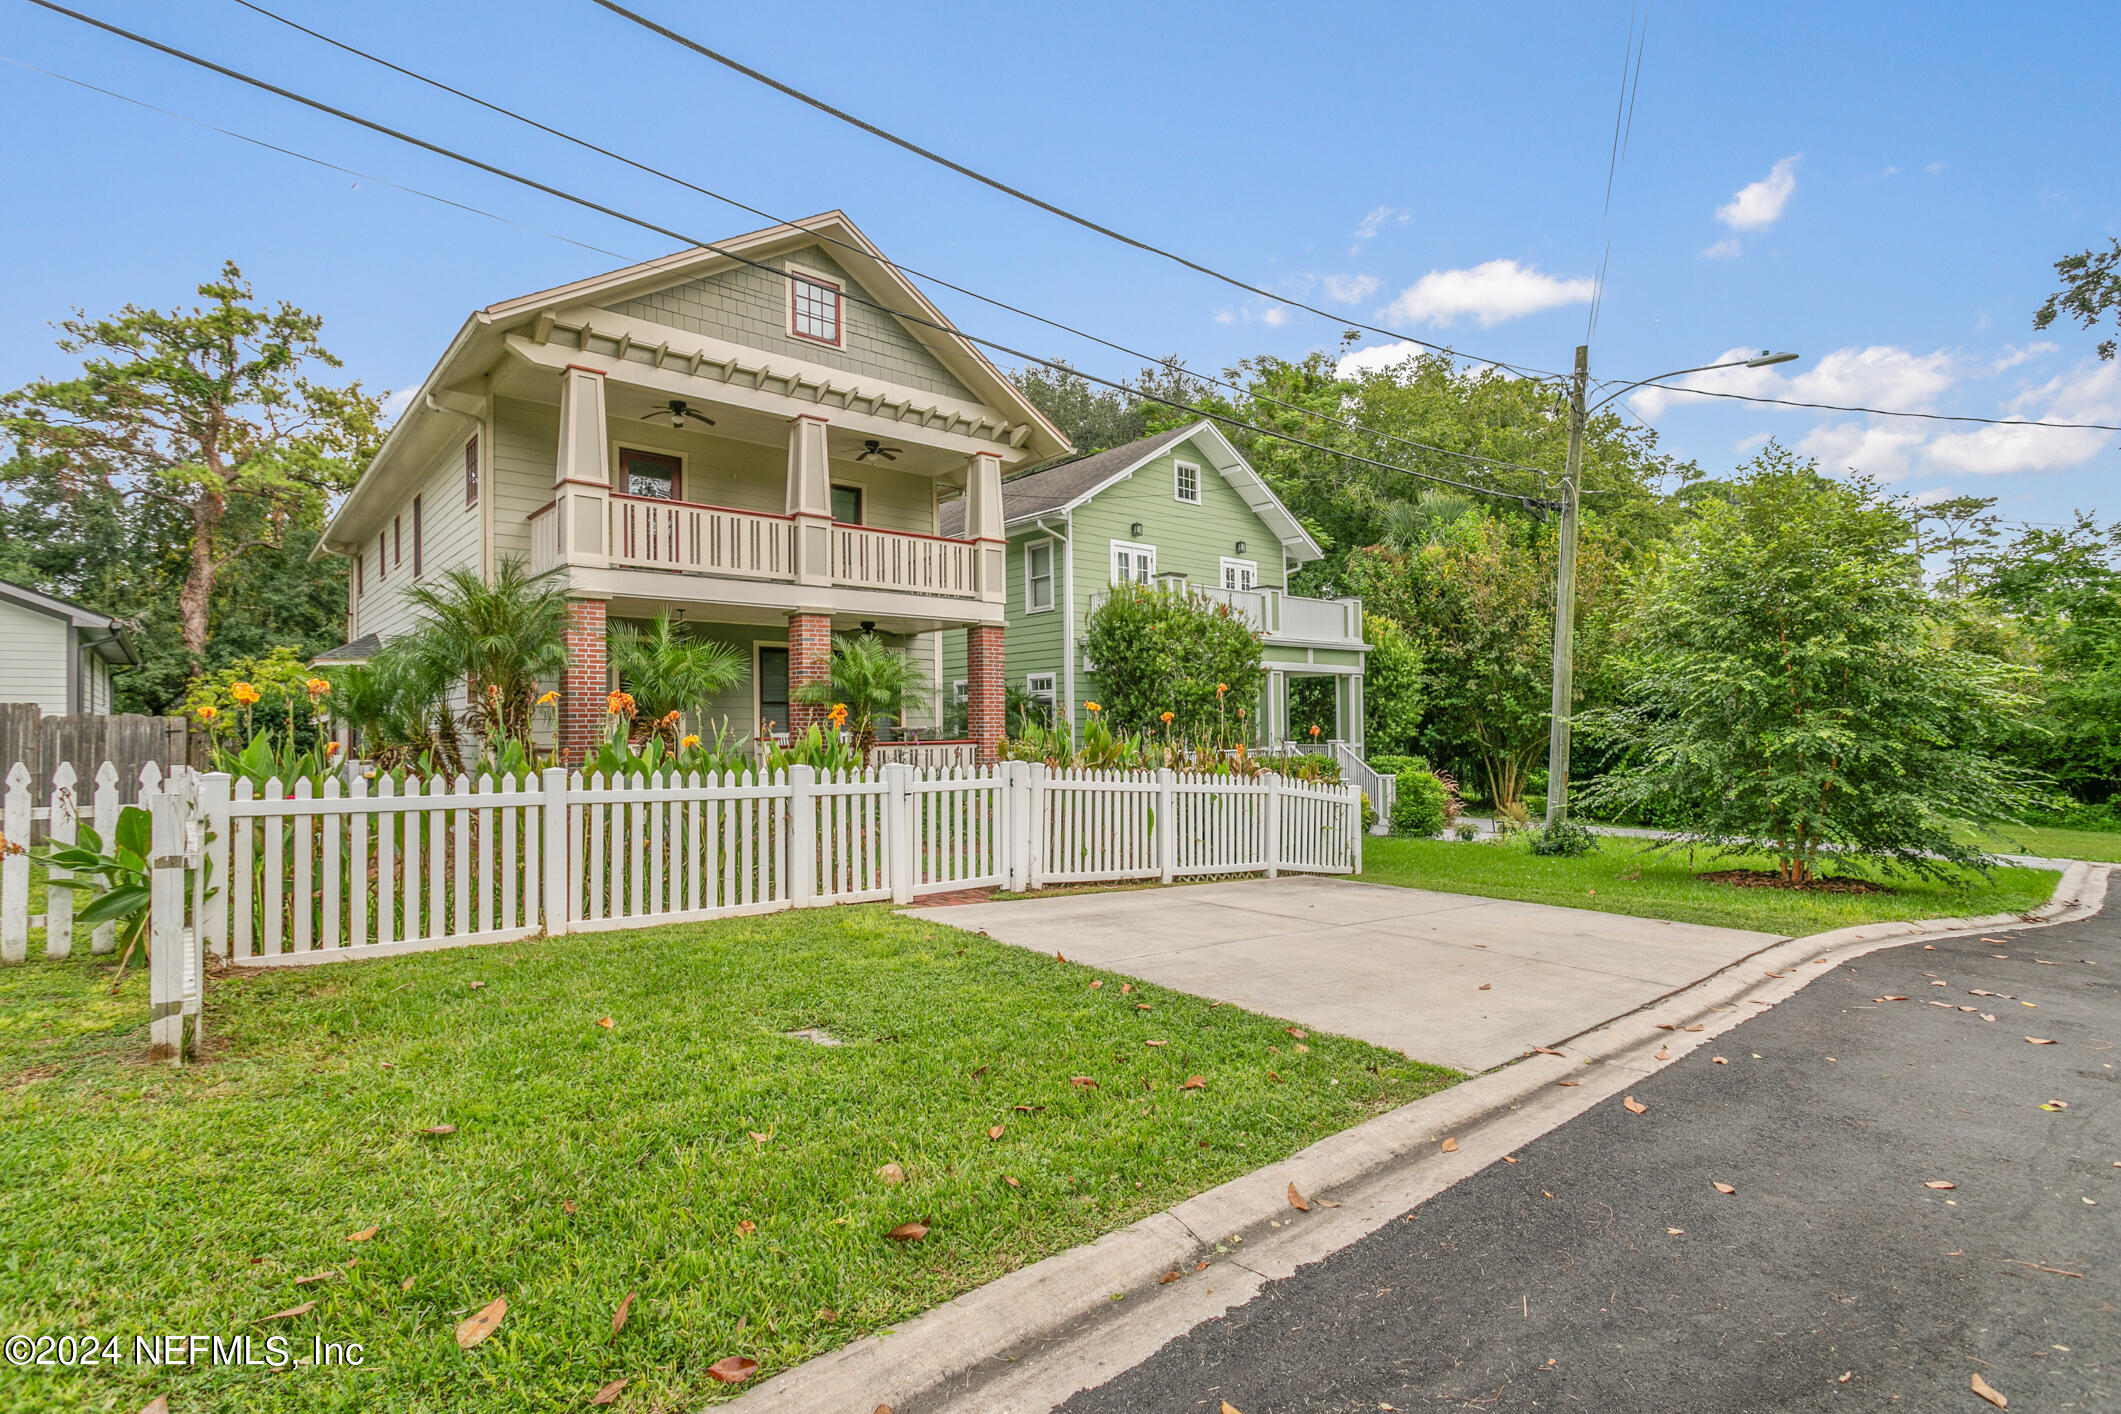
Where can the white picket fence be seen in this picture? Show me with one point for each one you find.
(278, 877)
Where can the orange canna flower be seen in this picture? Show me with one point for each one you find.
(207, 714)
(548, 699)
(620, 704)
(244, 693)
(1221, 688)
(689, 742)
(318, 687)
(1167, 719)
(331, 748)
(1092, 707)
(1314, 731)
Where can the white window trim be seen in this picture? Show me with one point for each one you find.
(816, 277)
(1251, 567)
(1131, 547)
(758, 681)
(1052, 575)
(1050, 692)
(961, 690)
(1178, 486)
(618, 463)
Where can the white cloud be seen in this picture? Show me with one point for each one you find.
(398, 399)
(1226, 315)
(1370, 225)
(1880, 376)
(1758, 205)
(1753, 382)
(2011, 357)
(1886, 452)
(1934, 168)
(1487, 294)
(1349, 289)
(1272, 315)
(1376, 359)
(1729, 248)
(2085, 394)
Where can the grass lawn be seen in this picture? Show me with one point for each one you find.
(1619, 877)
(691, 1152)
(2052, 843)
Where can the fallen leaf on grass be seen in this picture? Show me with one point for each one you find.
(735, 1369)
(1634, 1106)
(1989, 1392)
(1058, 958)
(1142, 1006)
(1194, 1082)
(291, 1312)
(618, 1317)
(909, 1232)
(745, 1227)
(1011, 1182)
(1449, 1146)
(2038, 1041)
(1095, 985)
(476, 985)
(1298, 1201)
(1939, 1183)
(363, 1235)
(567, 1206)
(1156, 1043)
(158, 1405)
(1273, 1077)
(995, 1132)
(758, 1138)
(1724, 1188)
(1301, 1049)
(1298, 1032)
(976, 1074)
(891, 1173)
(481, 1323)
(827, 1314)
(1082, 1082)
(1125, 988)
(609, 1394)
(1168, 1277)
(440, 1129)
(316, 1276)
(406, 1285)
(605, 1022)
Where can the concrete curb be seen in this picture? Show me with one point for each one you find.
(1046, 1300)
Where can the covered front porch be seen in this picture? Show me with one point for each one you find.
(1312, 688)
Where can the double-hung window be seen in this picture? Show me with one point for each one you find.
(1039, 687)
(813, 308)
(1133, 563)
(1185, 482)
(1038, 576)
(1240, 574)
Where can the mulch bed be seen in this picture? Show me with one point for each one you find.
(1769, 879)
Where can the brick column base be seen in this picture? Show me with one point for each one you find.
(985, 708)
(809, 661)
(585, 686)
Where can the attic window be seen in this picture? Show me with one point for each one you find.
(1185, 482)
(813, 307)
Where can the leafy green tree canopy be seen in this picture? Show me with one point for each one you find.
(1161, 650)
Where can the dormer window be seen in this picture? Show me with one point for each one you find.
(813, 307)
(1185, 483)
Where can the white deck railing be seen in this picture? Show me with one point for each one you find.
(892, 559)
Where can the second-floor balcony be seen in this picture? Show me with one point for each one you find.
(1285, 618)
(685, 537)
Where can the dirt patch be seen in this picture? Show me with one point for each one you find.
(1769, 879)
(35, 1073)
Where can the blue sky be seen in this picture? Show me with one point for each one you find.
(1882, 188)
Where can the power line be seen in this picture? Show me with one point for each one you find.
(314, 161)
(1623, 136)
(588, 204)
(587, 145)
(983, 179)
(1876, 412)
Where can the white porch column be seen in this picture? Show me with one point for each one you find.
(1273, 721)
(1355, 726)
(810, 498)
(983, 524)
(581, 478)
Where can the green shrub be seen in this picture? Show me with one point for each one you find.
(1369, 812)
(1564, 837)
(1421, 805)
(1163, 651)
(1393, 765)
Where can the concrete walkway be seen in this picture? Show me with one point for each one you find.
(1459, 981)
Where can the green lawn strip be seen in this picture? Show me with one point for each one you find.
(1622, 877)
(2049, 842)
(142, 1199)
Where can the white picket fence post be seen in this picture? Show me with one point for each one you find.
(901, 832)
(15, 819)
(105, 806)
(214, 795)
(1270, 807)
(165, 935)
(1015, 833)
(554, 839)
(802, 835)
(1167, 824)
(62, 828)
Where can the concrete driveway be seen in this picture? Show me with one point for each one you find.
(1447, 978)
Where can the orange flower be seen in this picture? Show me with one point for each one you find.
(331, 748)
(318, 687)
(838, 714)
(244, 693)
(1314, 731)
(1167, 719)
(620, 704)
(1221, 688)
(207, 714)
(689, 742)
(548, 699)
(1092, 707)
(670, 716)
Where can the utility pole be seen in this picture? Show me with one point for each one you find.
(1565, 601)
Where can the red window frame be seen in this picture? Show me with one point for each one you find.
(471, 472)
(796, 280)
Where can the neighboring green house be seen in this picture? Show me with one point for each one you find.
(1182, 507)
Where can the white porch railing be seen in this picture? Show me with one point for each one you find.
(892, 559)
(926, 755)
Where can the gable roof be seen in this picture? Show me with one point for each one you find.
(1062, 486)
(419, 435)
(117, 646)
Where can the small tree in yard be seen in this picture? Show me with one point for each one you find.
(1159, 650)
(1790, 683)
(871, 680)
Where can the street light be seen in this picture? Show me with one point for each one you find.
(1565, 568)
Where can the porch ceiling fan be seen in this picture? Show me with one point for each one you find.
(873, 449)
(677, 412)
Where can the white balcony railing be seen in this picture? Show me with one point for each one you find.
(891, 559)
(1280, 617)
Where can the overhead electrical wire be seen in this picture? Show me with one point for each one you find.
(1623, 135)
(591, 205)
(686, 42)
(589, 146)
(1626, 132)
(314, 161)
(1875, 412)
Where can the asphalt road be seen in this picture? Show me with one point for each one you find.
(1833, 1278)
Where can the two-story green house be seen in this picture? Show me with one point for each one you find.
(1181, 507)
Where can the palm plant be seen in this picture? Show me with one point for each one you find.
(668, 671)
(872, 681)
(502, 635)
(397, 707)
(1411, 524)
